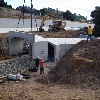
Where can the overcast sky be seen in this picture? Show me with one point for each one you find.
(83, 7)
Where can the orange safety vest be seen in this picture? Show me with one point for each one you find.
(41, 63)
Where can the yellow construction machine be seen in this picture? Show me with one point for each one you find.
(58, 25)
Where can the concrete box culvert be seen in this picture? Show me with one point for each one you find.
(39, 45)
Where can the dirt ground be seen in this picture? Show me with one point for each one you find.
(75, 77)
(45, 87)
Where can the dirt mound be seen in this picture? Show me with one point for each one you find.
(61, 34)
(3, 35)
(81, 64)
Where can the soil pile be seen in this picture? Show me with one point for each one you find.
(61, 34)
(3, 44)
(3, 35)
(81, 64)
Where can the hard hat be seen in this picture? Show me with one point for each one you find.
(38, 57)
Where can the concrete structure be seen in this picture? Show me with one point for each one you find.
(40, 47)
(51, 49)
(63, 44)
(16, 42)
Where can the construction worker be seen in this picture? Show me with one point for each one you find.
(41, 66)
(37, 63)
(27, 47)
(90, 30)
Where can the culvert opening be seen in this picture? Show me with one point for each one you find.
(20, 46)
(50, 52)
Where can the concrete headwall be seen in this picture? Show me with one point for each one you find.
(16, 42)
(56, 53)
(14, 65)
(26, 36)
(62, 50)
(68, 46)
(40, 49)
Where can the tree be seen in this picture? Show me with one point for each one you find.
(26, 9)
(68, 15)
(36, 12)
(42, 11)
(96, 20)
(9, 6)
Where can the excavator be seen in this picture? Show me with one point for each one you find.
(58, 25)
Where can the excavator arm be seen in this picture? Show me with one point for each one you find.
(42, 23)
(43, 20)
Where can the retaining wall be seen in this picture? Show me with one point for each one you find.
(15, 65)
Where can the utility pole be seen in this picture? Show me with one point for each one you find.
(57, 13)
(31, 14)
(23, 15)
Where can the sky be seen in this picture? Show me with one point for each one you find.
(83, 7)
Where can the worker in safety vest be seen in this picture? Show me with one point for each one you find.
(90, 30)
(41, 66)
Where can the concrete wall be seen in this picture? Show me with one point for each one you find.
(16, 42)
(56, 52)
(62, 50)
(68, 46)
(40, 49)
(27, 36)
(14, 65)
(15, 46)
